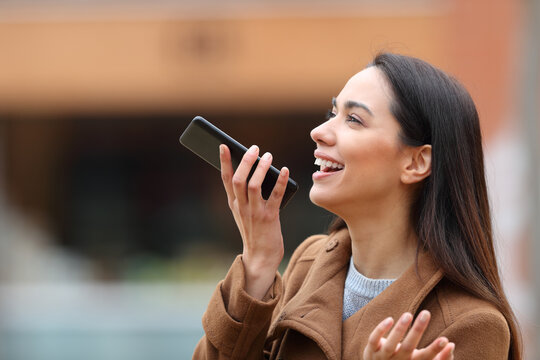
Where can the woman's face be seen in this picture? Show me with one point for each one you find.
(361, 136)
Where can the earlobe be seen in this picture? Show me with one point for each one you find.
(418, 166)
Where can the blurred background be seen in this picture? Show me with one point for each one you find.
(113, 236)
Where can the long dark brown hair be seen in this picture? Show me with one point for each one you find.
(451, 214)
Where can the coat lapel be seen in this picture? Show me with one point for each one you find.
(316, 309)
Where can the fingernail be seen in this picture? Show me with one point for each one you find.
(387, 322)
(423, 316)
(266, 156)
(283, 171)
(253, 148)
(443, 342)
(405, 318)
(453, 347)
(221, 149)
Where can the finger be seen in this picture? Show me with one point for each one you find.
(447, 353)
(240, 176)
(430, 352)
(274, 201)
(396, 334)
(415, 334)
(226, 172)
(374, 341)
(255, 183)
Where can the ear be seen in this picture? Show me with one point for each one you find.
(417, 164)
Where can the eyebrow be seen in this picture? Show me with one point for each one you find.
(352, 104)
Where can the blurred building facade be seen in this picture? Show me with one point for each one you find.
(98, 200)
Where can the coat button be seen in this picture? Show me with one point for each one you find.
(332, 245)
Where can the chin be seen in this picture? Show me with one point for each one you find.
(325, 201)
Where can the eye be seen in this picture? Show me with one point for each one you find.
(354, 119)
(330, 114)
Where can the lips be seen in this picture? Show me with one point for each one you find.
(328, 165)
(319, 154)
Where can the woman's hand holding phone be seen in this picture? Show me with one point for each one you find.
(256, 218)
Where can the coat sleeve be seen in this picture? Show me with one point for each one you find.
(236, 324)
(480, 335)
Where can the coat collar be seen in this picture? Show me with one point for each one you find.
(316, 309)
(405, 294)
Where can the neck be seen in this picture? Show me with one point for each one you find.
(383, 242)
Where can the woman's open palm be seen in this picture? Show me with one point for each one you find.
(393, 347)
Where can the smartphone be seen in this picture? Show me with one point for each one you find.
(204, 138)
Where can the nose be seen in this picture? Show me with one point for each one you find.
(324, 134)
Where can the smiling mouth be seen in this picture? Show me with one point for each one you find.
(328, 166)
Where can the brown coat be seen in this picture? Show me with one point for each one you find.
(301, 316)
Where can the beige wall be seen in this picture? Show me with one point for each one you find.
(185, 64)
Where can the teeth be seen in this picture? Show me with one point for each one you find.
(327, 164)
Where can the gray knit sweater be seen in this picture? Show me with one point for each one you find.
(359, 290)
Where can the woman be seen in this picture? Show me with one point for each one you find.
(401, 165)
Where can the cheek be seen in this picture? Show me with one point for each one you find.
(375, 161)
